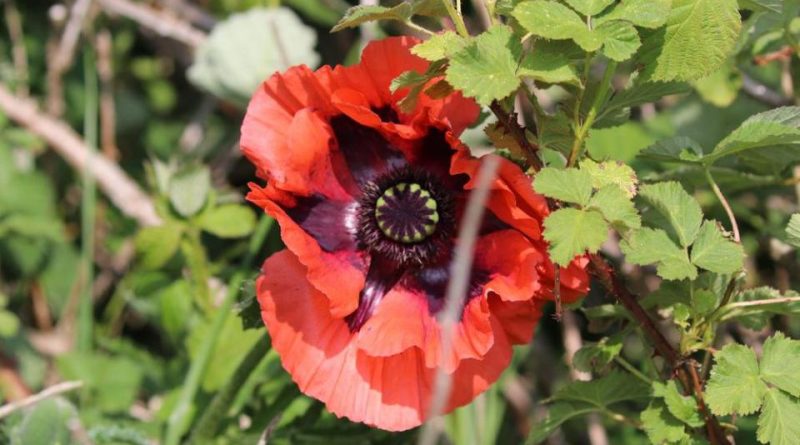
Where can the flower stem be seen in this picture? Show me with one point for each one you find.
(582, 129)
(178, 422)
(88, 204)
(455, 16)
(630, 368)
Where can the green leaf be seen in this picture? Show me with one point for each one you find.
(675, 149)
(704, 301)
(770, 129)
(603, 392)
(735, 386)
(229, 221)
(679, 208)
(553, 20)
(699, 36)
(590, 7)
(620, 40)
(408, 79)
(247, 47)
(780, 363)
(369, 13)
(757, 316)
(597, 356)
(557, 414)
(611, 173)
(641, 93)
(684, 408)
(547, 62)
(654, 246)
(721, 87)
(47, 423)
(440, 46)
(642, 13)
(616, 207)
(777, 424)
(487, 68)
(188, 190)
(571, 232)
(793, 230)
(661, 426)
(713, 251)
(156, 245)
(114, 389)
(568, 185)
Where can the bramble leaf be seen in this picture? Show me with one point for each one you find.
(642, 13)
(608, 173)
(679, 208)
(616, 207)
(620, 40)
(712, 251)
(777, 424)
(571, 232)
(486, 69)
(793, 230)
(697, 39)
(596, 356)
(770, 129)
(553, 20)
(640, 93)
(780, 363)
(156, 245)
(675, 149)
(589, 7)
(660, 425)
(188, 190)
(684, 408)
(357, 15)
(557, 414)
(547, 62)
(605, 391)
(735, 385)
(654, 246)
(440, 46)
(568, 185)
(229, 221)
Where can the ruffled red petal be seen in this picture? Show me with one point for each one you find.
(317, 349)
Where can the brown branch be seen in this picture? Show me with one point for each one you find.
(509, 122)
(120, 189)
(161, 22)
(784, 53)
(108, 114)
(683, 369)
(18, 52)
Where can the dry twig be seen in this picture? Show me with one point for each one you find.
(120, 189)
(161, 22)
(18, 53)
(52, 391)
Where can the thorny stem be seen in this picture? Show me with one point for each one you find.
(509, 121)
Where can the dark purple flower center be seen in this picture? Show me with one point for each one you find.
(406, 213)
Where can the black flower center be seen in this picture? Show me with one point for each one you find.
(407, 213)
(407, 217)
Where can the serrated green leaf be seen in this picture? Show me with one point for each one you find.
(661, 426)
(557, 414)
(247, 47)
(47, 423)
(486, 69)
(683, 408)
(156, 245)
(440, 46)
(616, 207)
(547, 62)
(611, 173)
(773, 128)
(654, 246)
(596, 356)
(229, 221)
(368, 13)
(603, 392)
(757, 316)
(721, 87)
(553, 20)
(571, 232)
(408, 79)
(188, 190)
(620, 40)
(640, 93)
(676, 149)
(698, 38)
(679, 208)
(704, 301)
(589, 7)
(568, 185)
(642, 13)
(735, 386)
(712, 251)
(793, 230)
(777, 424)
(780, 363)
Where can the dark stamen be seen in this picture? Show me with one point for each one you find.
(383, 274)
(406, 213)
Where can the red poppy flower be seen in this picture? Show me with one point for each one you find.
(368, 199)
